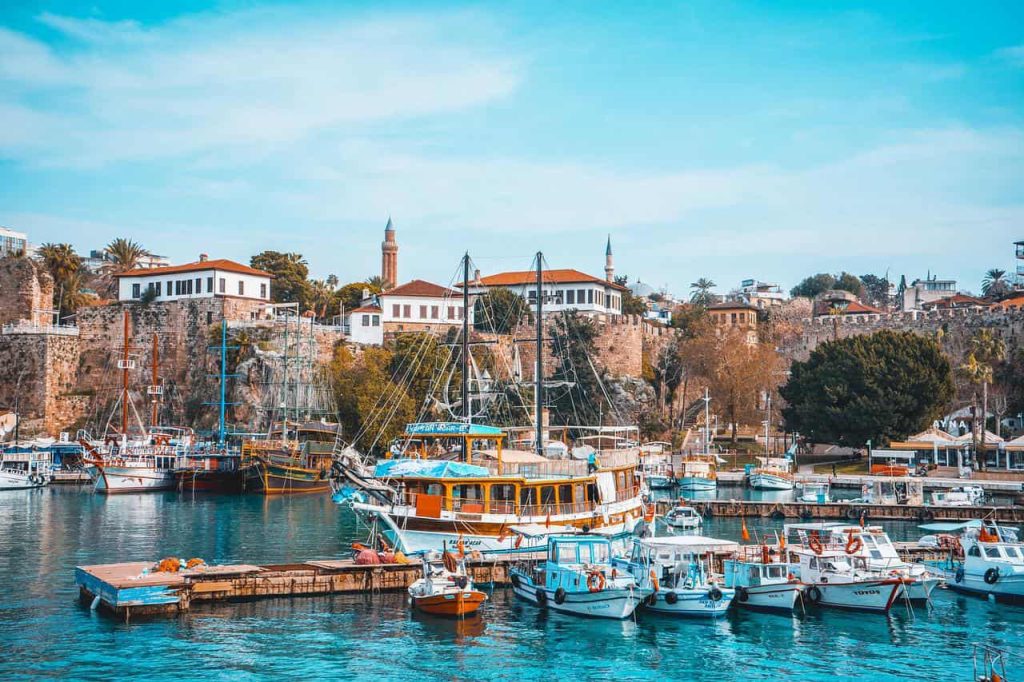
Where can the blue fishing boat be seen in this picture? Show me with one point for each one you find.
(578, 578)
(676, 574)
(697, 474)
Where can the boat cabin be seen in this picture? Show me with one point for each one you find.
(755, 574)
(818, 568)
(680, 559)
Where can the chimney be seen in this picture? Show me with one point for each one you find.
(203, 258)
(476, 276)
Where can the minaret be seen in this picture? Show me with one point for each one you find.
(609, 266)
(389, 257)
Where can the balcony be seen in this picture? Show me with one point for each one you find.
(26, 327)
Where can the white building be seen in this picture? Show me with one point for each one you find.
(925, 291)
(98, 258)
(562, 290)
(364, 325)
(422, 306)
(12, 242)
(759, 294)
(203, 279)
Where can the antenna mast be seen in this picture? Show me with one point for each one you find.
(467, 413)
(539, 373)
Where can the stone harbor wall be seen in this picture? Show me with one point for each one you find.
(26, 290)
(38, 374)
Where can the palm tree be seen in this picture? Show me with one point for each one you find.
(60, 259)
(702, 295)
(123, 255)
(332, 281)
(377, 283)
(986, 350)
(321, 295)
(994, 283)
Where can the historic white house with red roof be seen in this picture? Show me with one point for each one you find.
(203, 279)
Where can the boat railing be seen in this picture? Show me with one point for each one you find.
(615, 460)
(432, 505)
(552, 468)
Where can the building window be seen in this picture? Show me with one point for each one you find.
(558, 297)
(590, 295)
(581, 296)
(396, 310)
(366, 320)
(135, 291)
(423, 312)
(189, 287)
(209, 285)
(222, 285)
(241, 288)
(209, 317)
(451, 312)
(407, 311)
(158, 285)
(263, 291)
(199, 285)
(433, 312)
(376, 320)
(570, 296)
(460, 309)
(733, 318)
(169, 287)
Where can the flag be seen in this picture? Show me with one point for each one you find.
(746, 533)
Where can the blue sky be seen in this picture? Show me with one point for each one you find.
(719, 139)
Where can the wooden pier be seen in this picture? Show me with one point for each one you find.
(848, 511)
(130, 589)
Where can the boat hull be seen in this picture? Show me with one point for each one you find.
(455, 604)
(683, 602)
(16, 481)
(1008, 588)
(878, 596)
(763, 481)
(660, 482)
(609, 603)
(111, 480)
(698, 484)
(777, 597)
(270, 478)
(202, 481)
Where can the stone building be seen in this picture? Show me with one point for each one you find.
(422, 306)
(735, 316)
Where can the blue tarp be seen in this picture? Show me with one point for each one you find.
(429, 468)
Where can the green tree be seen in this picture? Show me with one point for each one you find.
(876, 387)
(702, 295)
(64, 266)
(876, 290)
(290, 273)
(848, 282)
(371, 407)
(424, 366)
(811, 286)
(351, 295)
(1010, 375)
(986, 351)
(994, 284)
(580, 400)
(499, 311)
(122, 255)
(321, 297)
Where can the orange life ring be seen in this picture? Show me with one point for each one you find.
(596, 581)
(815, 544)
(854, 544)
(766, 556)
(654, 580)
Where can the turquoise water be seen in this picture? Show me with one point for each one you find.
(46, 633)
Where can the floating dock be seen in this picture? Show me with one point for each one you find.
(130, 589)
(849, 511)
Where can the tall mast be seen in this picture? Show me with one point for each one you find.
(124, 382)
(155, 386)
(539, 373)
(467, 413)
(707, 421)
(223, 379)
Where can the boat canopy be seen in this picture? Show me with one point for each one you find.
(540, 530)
(428, 468)
(452, 429)
(692, 544)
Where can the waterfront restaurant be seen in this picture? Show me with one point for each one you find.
(932, 446)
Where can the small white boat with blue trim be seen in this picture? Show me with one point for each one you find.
(989, 561)
(25, 470)
(697, 473)
(813, 492)
(684, 518)
(578, 578)
(676, 572)
(762, 582)
(774, 473)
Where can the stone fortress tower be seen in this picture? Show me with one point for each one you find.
(609, 264)
(389, 257)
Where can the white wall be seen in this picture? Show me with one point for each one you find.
(361, 328)
(250, 285)
(597, 297)
(448, 309)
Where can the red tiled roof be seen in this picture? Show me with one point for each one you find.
(1016, 301)
(858, 308)
(218, 264)
(418, 287)
(367, 309)
(955, 301)
(564, 276)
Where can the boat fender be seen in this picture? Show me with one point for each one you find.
(992, 576)
(778, 514)
(651, 599)
(715, 594)
(925, 514)
(35, 479)
(813, 594)
(851, 514)
(959, 575)
(560, 595)
(806, 513)
(741, 594)
(461, 581)
(654, 580)
(671, 597)
(516, 582)
(542, 597)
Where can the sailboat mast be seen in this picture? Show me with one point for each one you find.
(223, 379)
(539, 373)
(155, 385)
(124, 381)
(467, 413)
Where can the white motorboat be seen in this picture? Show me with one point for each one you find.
(656, 481)
(992, 564)
(840, 580)
(872, 544)
(813, 492)
(675, 572)
(133, 469)
(761, 582)
(686, 518)
(697, 473)
(578, 578)
(966, 496)
(25, 470)
(774, 473)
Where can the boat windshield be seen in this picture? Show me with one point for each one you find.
(775, 571)
(836, 565)
(594, 553)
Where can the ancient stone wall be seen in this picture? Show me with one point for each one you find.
(38, 372)
(26, 290)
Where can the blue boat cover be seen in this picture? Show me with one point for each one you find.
(450, 429)
(428, 468)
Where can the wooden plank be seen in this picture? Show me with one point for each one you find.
(205, 586)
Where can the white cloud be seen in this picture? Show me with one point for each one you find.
(1013, 54)
(218, 82)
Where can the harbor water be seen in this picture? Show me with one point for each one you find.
(46, 633)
